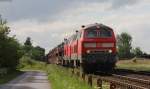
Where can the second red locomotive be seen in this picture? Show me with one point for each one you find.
(92, 48)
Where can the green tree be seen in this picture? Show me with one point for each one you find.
(28, 42)
(138, 52)
(27, 45)
(124, 41)
(9, 47)
(38, 53)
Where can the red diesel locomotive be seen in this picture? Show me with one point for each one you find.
(92, 48)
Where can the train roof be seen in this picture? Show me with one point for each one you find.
(93, 26)
(86, 27)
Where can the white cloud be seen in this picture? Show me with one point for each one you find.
(47, 34)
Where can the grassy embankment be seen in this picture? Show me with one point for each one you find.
(135, 64)
(61, 78)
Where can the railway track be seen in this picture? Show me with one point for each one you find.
(144, 77)
(134, 74)
(117, 81)
(132, 81)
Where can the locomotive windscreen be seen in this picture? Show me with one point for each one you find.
(91, 34)
(105, 32)
(98, 33)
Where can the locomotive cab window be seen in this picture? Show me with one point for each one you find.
(91, 33)
(105, 32)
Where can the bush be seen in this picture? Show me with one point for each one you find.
(9, 48)
(26, 61)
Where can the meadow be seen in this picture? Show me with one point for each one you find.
(136, 64)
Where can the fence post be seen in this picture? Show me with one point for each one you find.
(99, 83)
(112, 85)
(83, 76)
(78, 73)
(90, 80)
(73, 71)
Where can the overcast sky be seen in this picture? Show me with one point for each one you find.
(47, 22)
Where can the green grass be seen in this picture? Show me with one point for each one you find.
(26, 63)
(139, 65)
(6, 78)
(38, 66)
(61, 78)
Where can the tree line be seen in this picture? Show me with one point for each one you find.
(125, 49)
(11, 50)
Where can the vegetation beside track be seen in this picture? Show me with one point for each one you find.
(135, 64)
(61, 78)
(26, 63)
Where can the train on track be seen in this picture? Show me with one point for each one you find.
(92, 48)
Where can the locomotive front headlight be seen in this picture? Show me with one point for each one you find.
(89, 45)
(110, 51)
(88, 51)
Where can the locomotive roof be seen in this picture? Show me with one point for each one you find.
(93, 26)
(86, 27)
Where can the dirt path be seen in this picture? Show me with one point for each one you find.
(29, 80)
